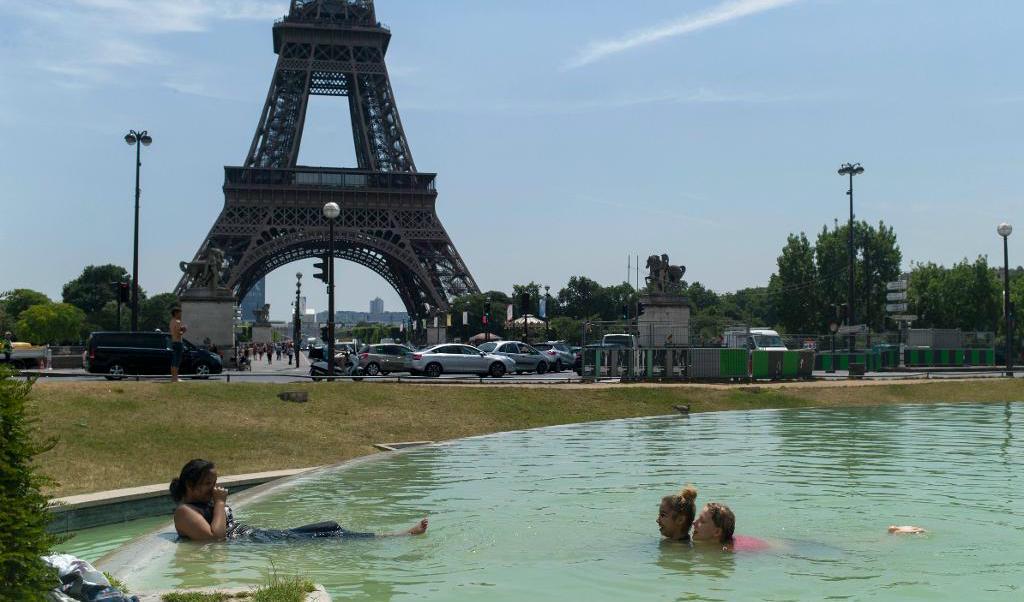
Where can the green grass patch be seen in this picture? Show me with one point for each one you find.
(130, 434)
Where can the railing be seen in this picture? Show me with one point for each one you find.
(326, 177)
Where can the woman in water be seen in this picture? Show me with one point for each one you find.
(203, 514)
(675, 515)
(717, 523)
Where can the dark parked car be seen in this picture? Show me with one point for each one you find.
(117, 354)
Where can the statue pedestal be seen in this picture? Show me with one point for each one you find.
(262, 333)
(210, 313)
(665, 322)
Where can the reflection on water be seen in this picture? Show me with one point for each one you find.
(568, 513)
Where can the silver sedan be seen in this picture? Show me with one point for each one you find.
(459, 359)
(526, 358)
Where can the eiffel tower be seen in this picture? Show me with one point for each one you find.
(273, 208)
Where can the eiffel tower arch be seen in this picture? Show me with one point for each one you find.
(272, 212)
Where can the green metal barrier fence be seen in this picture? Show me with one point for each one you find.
(928, 358)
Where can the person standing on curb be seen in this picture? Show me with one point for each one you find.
(7, 346)
(177, 347)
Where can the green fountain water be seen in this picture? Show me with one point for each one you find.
(569, 513)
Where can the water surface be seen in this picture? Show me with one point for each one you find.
(568, 513)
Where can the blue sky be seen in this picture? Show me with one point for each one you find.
(575, 132)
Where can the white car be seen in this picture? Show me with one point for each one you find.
(459, 359)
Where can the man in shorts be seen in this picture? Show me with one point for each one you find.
(177, 347)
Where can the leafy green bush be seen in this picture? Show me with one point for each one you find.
(23, 521)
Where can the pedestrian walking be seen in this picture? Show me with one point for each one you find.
(8, 346)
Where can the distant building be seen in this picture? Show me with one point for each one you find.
(377, 307)
(255, 299)
(355, 317)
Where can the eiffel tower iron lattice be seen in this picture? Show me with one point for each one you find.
(272, 212)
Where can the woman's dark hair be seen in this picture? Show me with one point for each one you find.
(191, 474)
(723, 518)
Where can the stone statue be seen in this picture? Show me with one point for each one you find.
(205, 271)
(262, 315)
(664, 277)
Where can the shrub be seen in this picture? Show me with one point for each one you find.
(23, 521)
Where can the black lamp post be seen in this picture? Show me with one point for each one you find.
(547, 312)
(138, 140)
(331, 212)
(487, 321)
(296, 340)
(1005, 230)
(851, 169)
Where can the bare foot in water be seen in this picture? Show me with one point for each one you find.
(906, 530)
(420, 528)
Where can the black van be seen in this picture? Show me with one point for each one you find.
(117, 354)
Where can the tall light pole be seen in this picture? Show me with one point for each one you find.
(331, 212)
(487, 320)
(1005, 230)
(296, 340)
(138, 140)
(851, 169)
(547, 312)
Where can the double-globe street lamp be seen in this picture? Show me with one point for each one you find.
(850, 169)
(331, 212)
(1005, 230)
(138, 140)
(296, 341)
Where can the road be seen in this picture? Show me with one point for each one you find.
(282, 372)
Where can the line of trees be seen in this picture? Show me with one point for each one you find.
(88, 303)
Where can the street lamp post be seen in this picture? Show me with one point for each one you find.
(487, 321)
(331, 212)
(138, 140)
(1005, 230)
(296, 340)
(851, 169)
(547, 310)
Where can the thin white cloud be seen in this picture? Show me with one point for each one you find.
(90, 42)
(717, 15)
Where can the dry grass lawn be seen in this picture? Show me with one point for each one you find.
(114, 435)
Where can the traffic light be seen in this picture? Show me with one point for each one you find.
(323, 269)
(625, 311)
(123, 292)
(487, 312)
(640, 309)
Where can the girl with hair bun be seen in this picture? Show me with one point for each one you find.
(203, 513)
(676, 513)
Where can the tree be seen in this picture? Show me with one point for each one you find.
(877, 260)
(20, 299)
(581, 298)
(93, 288)
(800, 311)
(564, 328)
(23, 535)
(155, 312)
(967, 296)
(54, 323)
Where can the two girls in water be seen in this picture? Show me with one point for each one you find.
(716, 523)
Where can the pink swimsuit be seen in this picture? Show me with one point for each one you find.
(744, 543)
